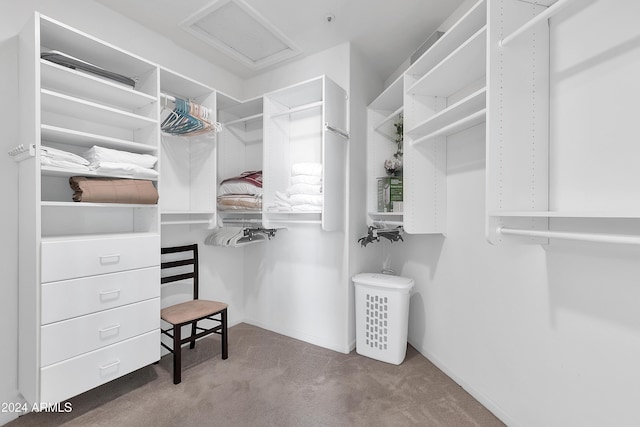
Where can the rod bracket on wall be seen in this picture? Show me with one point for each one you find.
(340, 132)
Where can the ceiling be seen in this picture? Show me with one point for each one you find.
(385, 32)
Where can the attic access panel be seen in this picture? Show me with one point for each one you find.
(238, 30)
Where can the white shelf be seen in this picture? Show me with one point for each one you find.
(461, 31)
(68, 172)
(96, 205)
(386, 121)
(457, 126)
(75, 83)
(299, 95)
(177, 84)
(462, 67)
(91, 111)
(298, 109)
(99, 236)
(389, 218)
(390, 98)
(564, 214)
(454, 113)
(85, 139)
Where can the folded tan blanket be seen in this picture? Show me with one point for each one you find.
(110, 190)
(239, 201)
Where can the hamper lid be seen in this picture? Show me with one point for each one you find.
(388, 281)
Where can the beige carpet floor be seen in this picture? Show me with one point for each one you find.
(273, 380)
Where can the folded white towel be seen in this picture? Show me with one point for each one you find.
(55, 154)
(305, 208)
(306, 199)
(314, 169)
(47, 161)
(306, 179)
(304, 189)
(124, 169)
(101, 154)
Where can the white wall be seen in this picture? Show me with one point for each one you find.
(365, 87)
(296, 283)
(542, 335)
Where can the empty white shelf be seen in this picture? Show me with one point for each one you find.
(462, 67)
(91, 111)
(75, 83)
(469, 24)
(466, 107)
(85, 139)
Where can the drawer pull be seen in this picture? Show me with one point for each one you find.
(113, 294)
(109, 329)
(110, 365)
(110, 259)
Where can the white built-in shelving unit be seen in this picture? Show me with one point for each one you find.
(528, 201)
(306, 123)
(88, 272)
(443, 92)
(241, 148)
(188, 163)
(382, 114)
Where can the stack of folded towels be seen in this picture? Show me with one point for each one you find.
(107, 161)
(242, 192)
(123, 163)
(304, 193)
(62, 159)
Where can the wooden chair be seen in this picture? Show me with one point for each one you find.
(190, 312)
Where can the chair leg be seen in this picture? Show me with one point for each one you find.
(225, 339)
(177, 354)
(192, 344)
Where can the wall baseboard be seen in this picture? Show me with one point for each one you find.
(311, 339)
(480, 397)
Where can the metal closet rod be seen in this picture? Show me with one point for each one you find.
(546, 14)
(570, 235)
(336, 130)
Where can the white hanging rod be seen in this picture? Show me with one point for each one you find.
(335, 130)
(546, 14)
(243, 119)
(569, 235)
(168, 97)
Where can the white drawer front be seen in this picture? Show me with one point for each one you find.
(70, 258)
(69, 338)
(77, 297)
(74, 376)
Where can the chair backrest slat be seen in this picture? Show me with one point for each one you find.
(192, 260)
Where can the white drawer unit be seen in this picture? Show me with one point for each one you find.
(79, 374)
(73, 337)
(68, 258)
(76, 297)
(89, 271)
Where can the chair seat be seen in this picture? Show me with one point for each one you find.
(191, 310)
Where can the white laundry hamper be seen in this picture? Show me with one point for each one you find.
(382, 316)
